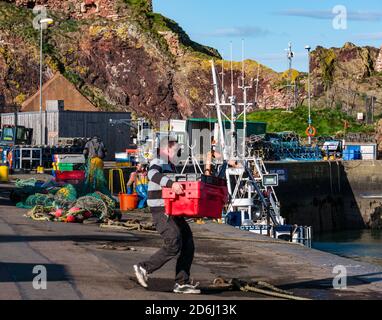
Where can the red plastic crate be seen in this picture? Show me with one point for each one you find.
(200, 200)
(70, 175)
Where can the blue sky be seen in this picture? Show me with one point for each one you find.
(268, 26)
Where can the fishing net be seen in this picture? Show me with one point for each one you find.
(96, 206)
(25, 188)
(99, 204)
(45, 200)
(95, 179)
(41, 213)
(59, 198)
(24, 183)
(70, 203)
(45, 207)
(68, 193)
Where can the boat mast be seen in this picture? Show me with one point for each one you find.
(223, 84)
(245, 88)
(232, 99)
(218, 110)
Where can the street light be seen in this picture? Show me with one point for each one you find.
(308, 48)
(44, 23)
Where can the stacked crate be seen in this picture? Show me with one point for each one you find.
(126, 159)
(202, 198)
(68, 167)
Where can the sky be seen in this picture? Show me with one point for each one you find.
(268, 26)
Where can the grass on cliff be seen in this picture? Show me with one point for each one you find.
(162, 23)
(19, 21)
(155, 23)
(328, 122)
(138, 5)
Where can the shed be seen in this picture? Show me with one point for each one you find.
(58, 88)
(75, 124)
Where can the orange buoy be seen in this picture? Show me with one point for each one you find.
(311, 131)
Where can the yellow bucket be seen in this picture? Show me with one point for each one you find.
(40, 170)
(4, 173)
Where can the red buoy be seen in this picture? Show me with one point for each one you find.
(71, 219)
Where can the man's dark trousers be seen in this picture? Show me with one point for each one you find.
(178, 241)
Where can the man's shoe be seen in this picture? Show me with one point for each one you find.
(141, 275)
(186, 289)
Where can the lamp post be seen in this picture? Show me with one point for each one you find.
(308, 48)
(43, 25)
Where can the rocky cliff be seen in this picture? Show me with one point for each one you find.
(347, 77)
(123, 56)
(120, 55)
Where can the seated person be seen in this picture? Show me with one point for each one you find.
(138, 183)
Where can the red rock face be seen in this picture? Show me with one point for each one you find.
(124, 67)
(127, 75)
(120, 65)
(15, 84)
(77, 8)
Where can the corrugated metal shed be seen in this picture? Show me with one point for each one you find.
(75, 124)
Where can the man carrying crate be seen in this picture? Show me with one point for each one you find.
(175, 231)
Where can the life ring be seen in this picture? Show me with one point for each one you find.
(311, 131)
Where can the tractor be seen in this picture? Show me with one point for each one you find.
(13, 136)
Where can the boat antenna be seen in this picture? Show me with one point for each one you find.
(223, 88)
(291, 86)
(243, 63)
(231, 48)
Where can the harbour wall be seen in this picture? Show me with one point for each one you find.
(330, 196)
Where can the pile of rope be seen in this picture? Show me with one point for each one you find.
(129, 225)
(259, 287)
(41, 213)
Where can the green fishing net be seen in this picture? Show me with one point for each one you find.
(95, 181)
(68, 193)
(37, 199)
(92, 196)
(61, 198)
(24, 183)
(27, 187)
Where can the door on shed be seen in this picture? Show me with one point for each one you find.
(119, 137)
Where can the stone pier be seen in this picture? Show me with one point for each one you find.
(330, 196)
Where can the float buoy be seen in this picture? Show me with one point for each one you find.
(311, 131)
